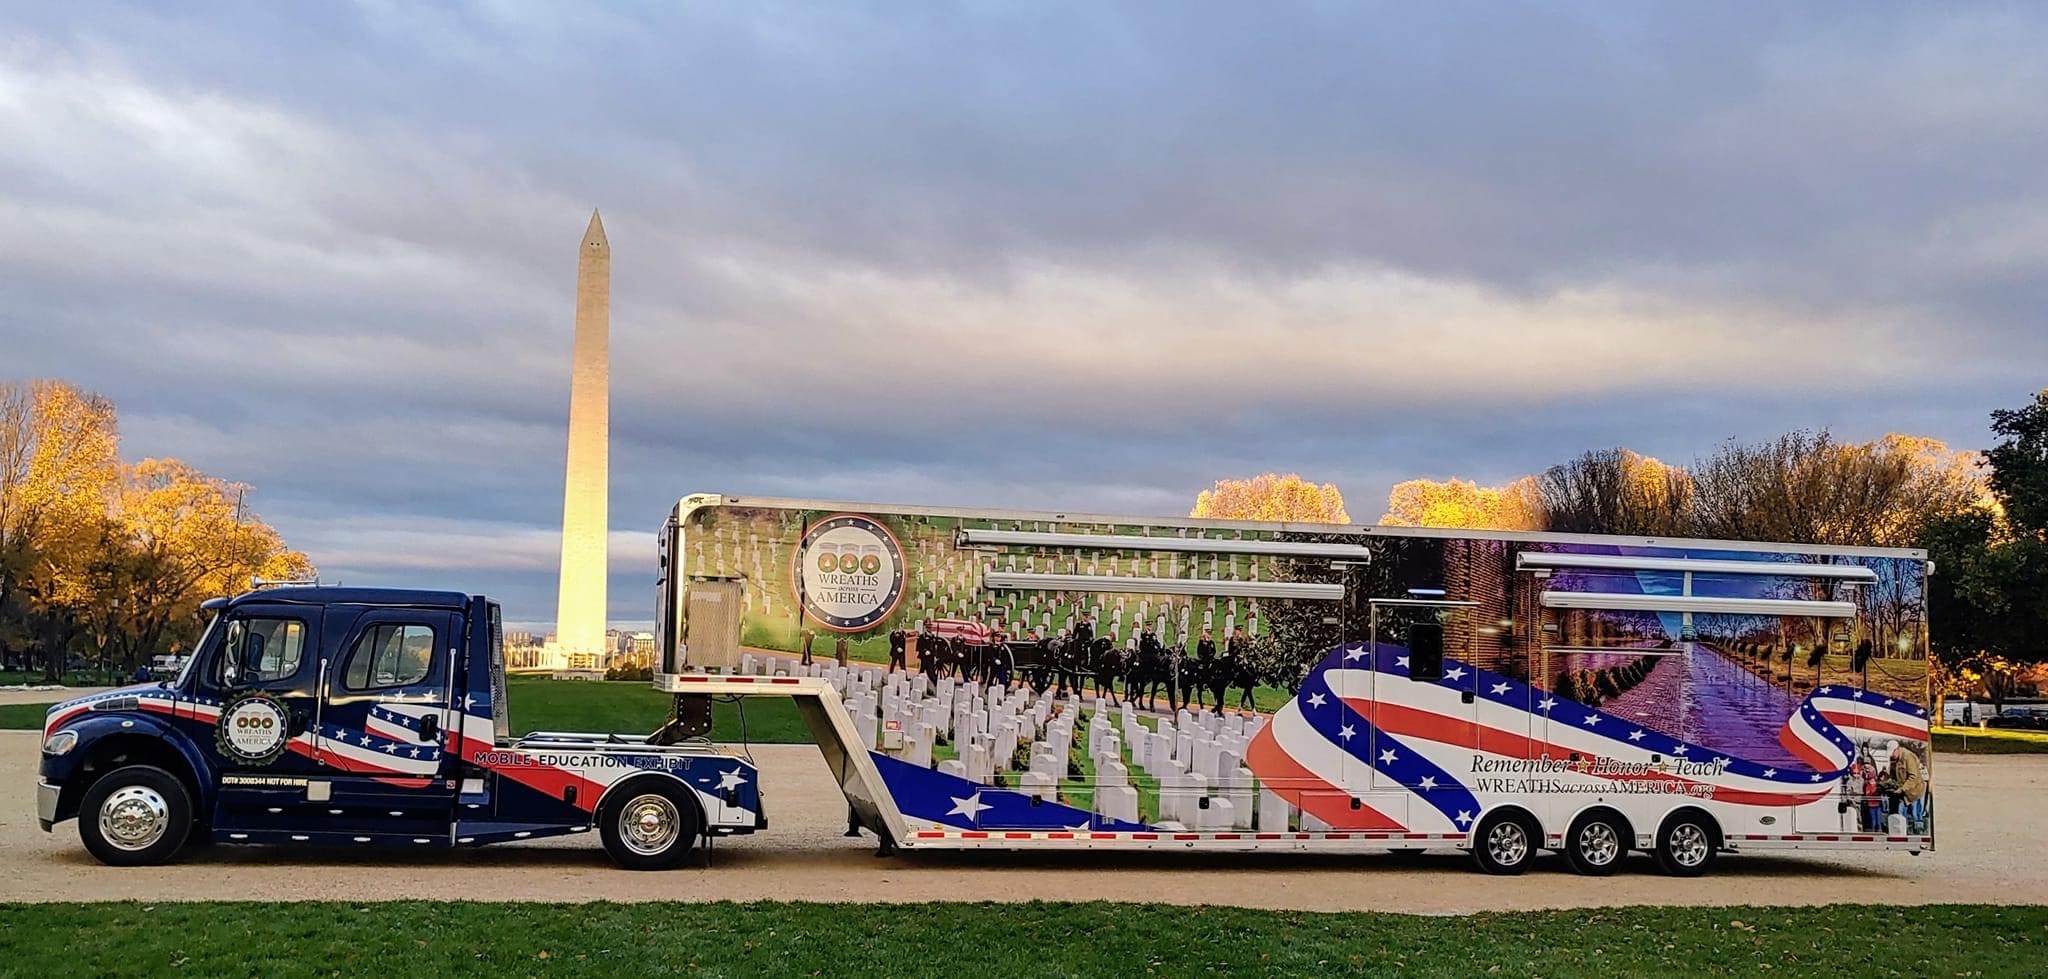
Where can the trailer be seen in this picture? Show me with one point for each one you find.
(1501, 693)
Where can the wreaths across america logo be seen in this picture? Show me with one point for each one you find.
(849, 572)
(253, 728)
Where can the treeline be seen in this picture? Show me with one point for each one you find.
(1983, 518)
(103, 563)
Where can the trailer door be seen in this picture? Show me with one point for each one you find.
(1427, 704)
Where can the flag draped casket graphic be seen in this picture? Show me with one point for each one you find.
(1361, 727)
(973, 633)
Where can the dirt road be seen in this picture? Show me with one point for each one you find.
(1985, 857)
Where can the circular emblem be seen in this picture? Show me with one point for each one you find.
(849, 572)
(253, 728)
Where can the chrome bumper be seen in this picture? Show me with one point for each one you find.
(46, 804)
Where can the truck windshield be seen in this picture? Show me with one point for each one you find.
(192, 658)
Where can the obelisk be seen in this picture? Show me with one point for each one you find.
(580, 607)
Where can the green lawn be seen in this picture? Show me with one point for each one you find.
(1036, 939)
(1990, 741)
(23, 717)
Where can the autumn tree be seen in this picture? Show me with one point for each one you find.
(1615, 491)
(1272, 497)
(104, 558)
(1808, 488)
(1464, 504)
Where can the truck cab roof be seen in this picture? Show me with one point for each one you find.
(319, 595)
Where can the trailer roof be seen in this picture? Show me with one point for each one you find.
(700, 500)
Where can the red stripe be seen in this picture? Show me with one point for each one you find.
(786, 679)
(1103, 836)
(1275, 767)
(1144, 836)
(1864, 723)
(1269, 836)
(1187, 836)
(974, 836)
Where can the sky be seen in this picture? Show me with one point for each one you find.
(1040, 255)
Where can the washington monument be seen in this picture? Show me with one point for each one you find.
(580, 612)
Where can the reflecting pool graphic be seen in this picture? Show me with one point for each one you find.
(1700, 695)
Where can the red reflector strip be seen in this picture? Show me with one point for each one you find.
(786, 679)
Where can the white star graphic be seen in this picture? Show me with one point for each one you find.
(1346, 732)
(1356, 653)
(1592, 719)
(731, 780)
(1387, 757)
(366, 740)
(1316, 700)
(1681, 749)
(1462, 817)
(1078, 828)
(1827, 690)
(1770, 773)
(1454, 673)
(1636, 735)
(414, 752)
(1428, 782)
(1500, 688)
(468, 701)
(1816, 776)
(1887, 701)
(391, 748)
(1400, 661)
(1858, 695)
(971, 807)
(1546, 704)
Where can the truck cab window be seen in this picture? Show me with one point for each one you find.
(391, 655)
(260, 651)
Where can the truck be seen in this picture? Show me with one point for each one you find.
(1503, 693)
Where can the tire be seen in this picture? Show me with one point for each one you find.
(1506, 843)
(1596, 845)
(650, 826)
(136, 816)
(1686, 845)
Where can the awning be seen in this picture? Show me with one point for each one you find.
(1779, 569)
(1186, 545)
(1029, 580)
(1697, 604)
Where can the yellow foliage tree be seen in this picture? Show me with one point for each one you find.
(1272, 496)
(1464, 504)
(92, 548)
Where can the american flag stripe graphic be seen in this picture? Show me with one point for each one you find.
(1361, 725)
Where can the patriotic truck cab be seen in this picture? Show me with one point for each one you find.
(367, 717)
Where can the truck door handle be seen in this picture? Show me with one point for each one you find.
(430, 728)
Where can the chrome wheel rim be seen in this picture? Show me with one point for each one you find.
(1599, 845)
(1507, 843)
(134, 817)
(1689, 845)
(649, 824)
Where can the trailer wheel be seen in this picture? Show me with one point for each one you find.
(1688, 844)
(135, 816)
(649, 828)
(1505, 843)
(1596, 844)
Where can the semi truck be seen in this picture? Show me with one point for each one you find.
(1502, 693)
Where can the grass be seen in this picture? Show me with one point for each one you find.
(1990, 741)
(495, 939)
(23, 717)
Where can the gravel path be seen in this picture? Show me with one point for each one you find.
(801, 856)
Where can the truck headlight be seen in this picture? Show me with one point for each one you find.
(59, 743)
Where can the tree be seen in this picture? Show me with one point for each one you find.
(102, 558)
(1464, 504)
(2019, 465)
(1272, 497)
(1808, 488)
(1615, 491)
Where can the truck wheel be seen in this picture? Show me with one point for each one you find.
(649, 829)
(1505, 843)
(135, 816)
(1596, 845)
(1686, 846)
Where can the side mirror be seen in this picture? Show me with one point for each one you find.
(430, 728)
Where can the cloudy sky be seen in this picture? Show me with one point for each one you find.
(1035, 255)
